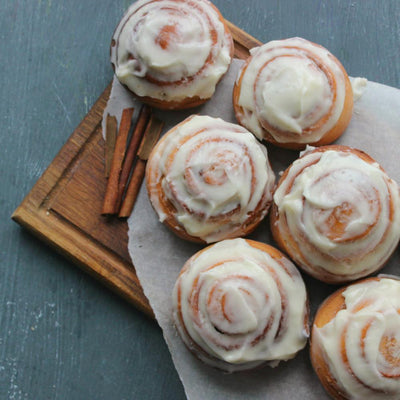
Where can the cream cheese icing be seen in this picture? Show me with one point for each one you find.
(171, 50)
(215, 174)
(369, 323)
(241, 305)
(324, 188)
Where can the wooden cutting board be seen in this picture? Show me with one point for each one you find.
(63, 208)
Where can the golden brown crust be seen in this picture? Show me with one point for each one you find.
(186, 103)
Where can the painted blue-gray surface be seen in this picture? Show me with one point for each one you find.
(62, 335)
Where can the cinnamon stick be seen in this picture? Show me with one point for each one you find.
(111, 136)
(111, 197)
(151, 135)
(136, 138)
(133, 189)
(150, 138)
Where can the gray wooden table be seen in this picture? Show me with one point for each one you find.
(63, 335)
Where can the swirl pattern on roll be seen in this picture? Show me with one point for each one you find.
(293, 92)
(239, 304)
(171, 50)
(209, 180)
(357, 352)
(336, 213)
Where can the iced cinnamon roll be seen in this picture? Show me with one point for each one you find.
(209, 180)
(355, 342)
(171, 53)
(239, 304)
(292, 93)
(336, 213)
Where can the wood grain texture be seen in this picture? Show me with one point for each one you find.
(64, 207)
(62, 335)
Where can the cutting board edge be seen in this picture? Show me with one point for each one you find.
(87, 261)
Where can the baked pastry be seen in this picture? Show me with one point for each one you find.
(336, 214)
(239, 304)
(209, 180)
(171, 53)
(355, 343)
(292, 93)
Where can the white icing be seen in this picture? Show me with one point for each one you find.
(171, 42)
(237, 298)
(378, 321)
(178, 59)
(358, 85)
(291, 91)
(217, 168)
(331, 184)
(285, 86)
(308, 149)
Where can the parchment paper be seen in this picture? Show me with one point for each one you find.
(158, 254)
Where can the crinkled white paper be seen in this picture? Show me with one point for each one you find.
(158, 254)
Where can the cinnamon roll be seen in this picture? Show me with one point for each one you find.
(292, 93)
(209, 180)
(336, 214)
(171, 53)
(239, 304)
(355, 342)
